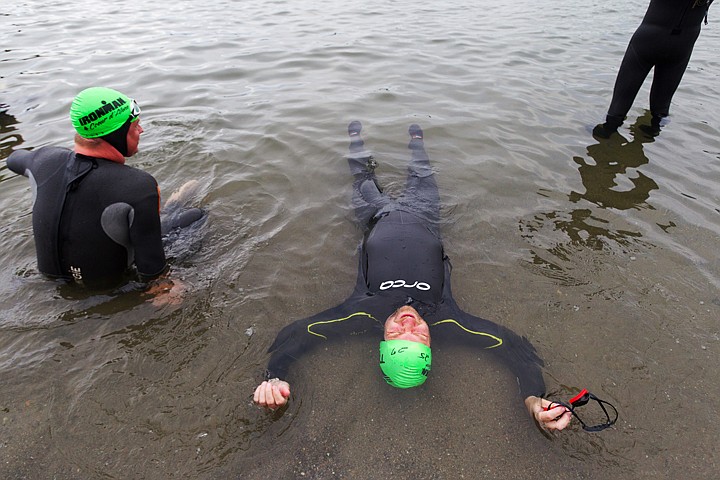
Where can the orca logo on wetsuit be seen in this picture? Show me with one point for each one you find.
(402, 283)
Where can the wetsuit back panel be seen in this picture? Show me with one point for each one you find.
(86, 247)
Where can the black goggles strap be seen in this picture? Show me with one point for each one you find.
(593, 428)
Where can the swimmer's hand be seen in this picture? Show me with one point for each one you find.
(272, 394)
(165, 291)
(556, 417)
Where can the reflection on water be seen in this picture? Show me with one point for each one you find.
(10, 139)
(614, 160)
(611, 181)
(87, 304)
(581, 229)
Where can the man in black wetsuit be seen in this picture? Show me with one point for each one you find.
(664, 40)
(404, 277)
(93, 216)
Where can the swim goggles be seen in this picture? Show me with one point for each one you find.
(581, 399)
(134, 111)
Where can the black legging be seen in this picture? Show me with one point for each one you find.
(421, 195)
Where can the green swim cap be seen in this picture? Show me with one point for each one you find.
(98, 111)
(405, 364)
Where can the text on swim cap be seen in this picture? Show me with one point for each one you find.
(393, 351)
(102, 111)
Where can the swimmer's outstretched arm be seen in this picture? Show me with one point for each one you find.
(301, 337)
(548, 415)
(513, 350)
(272, 394)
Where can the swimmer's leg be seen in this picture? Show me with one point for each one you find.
(181, 219)
(367, 196)
(357, 144)
(360, 160)
(421, 191)
(632, 74)
(666, 80)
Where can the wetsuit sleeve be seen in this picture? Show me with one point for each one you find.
(20, 161)
(145, 234)
(303, 336)
(516, 352)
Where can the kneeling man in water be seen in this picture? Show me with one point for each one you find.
(94, 217)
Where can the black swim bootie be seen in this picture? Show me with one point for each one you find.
(361, 161)
(416, 136)
(354, 128)
(604, 130)
(356, 141)
(653, 130)
(415, 132)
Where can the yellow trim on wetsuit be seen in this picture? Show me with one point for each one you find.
(336, 320)
(450, 320)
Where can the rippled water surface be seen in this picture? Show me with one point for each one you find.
(604, 254)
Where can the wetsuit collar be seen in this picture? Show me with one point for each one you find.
(102, 150)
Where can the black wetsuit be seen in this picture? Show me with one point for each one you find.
(664, 40)
(92, 218)
(402, 262)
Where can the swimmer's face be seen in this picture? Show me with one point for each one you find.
(133, 137)
(407, 324)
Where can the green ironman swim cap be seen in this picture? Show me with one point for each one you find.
(97, 111)
(405, 364)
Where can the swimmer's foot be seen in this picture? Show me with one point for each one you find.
(184, 194)
(416, 137)
(354, 129)
(604, 130)
(415, 132)
(361, 161)
(653, 130)
(356, 141)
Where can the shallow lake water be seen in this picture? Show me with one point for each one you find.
(604, 254)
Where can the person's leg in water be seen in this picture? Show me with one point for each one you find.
(666, 80)
(421, 190)
(634, 69)
(367, 195)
